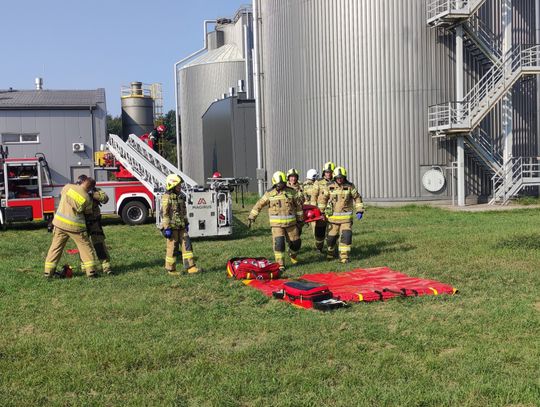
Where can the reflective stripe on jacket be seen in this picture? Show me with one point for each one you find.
(74, 204)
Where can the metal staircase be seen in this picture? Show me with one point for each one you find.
(445, 13)
(465, 116)
(481, 149)
(515, 175)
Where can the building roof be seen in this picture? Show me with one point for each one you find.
(50, 99)
(226, 53)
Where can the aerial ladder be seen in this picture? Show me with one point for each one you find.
(209, 211)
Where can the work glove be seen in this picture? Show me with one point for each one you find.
(167, 233)
(250, 223)
(359, 215)
(187, 227)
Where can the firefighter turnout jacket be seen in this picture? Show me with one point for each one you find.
(320, 187)
(299, 190)
(74, 204)
(309, 192)
(173, 210)
(93, 220)
(340, 202)
(285, 207)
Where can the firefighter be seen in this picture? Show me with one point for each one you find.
(95, 229)
(174, 227)
(69, 223)
(309, 187)
(319, 188)
(292, 182)
(340, 201)
(286, 217)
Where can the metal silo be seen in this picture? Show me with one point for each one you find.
(137, 110)
(216, 69)
(351, 81)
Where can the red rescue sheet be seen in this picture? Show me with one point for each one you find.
(374, 284)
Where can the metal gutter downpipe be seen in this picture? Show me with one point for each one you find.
(537, 24)
(206, 23)
(258, 96)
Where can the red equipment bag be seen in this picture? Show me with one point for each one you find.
(303, 293)
(312, 213)
(260, 268)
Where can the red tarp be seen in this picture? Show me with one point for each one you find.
(373, 284)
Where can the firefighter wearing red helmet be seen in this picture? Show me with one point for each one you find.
(286, 217)
(340, 202)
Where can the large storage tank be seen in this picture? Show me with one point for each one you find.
(351, 81)
(205, 79)
(137, 110)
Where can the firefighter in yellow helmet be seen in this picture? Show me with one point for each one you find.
(320, 187)
(174, 227)
(292, 182)
(341, 201)
(69, 223)
(286, 217)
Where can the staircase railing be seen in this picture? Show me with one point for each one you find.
(513, 176)
(482, 142)
(438, 7)
(486, 40)
(487, 92)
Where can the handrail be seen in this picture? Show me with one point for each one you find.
(437, 7)
(488, 89)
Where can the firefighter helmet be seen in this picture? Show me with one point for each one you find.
(340, 172)
(161, 128)
(278, 178)
(329, 166)
(292, 172)
(312, 174)
(172, 181)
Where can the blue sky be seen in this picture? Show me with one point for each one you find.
(76, 44)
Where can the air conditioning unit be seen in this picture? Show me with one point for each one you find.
(78, 147)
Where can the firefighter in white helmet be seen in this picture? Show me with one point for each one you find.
(341, 202)
(309, 187)
(174, 227)
(286, 217)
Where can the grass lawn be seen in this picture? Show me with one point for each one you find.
(144, 338)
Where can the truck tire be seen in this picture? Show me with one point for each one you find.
(134, 213)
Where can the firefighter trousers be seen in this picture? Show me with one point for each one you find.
(98, 240)
(179, 240)
(319, 231)
(281, 235)
(343, 232)
(85, 247)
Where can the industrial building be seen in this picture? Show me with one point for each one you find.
(209, 74)
(66, 126)
(373, 85)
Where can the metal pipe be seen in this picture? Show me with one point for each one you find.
(249, 65)
(537, 24)
(206, 23)
(258, 96)
(507, 107)
(460, 145)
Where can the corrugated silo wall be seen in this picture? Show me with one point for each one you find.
(200, 85)
(352, 81)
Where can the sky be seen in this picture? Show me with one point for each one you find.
(76, 44)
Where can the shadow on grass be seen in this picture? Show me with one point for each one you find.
(526, 242)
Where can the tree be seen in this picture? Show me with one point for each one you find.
(114, 125)
(169, 139)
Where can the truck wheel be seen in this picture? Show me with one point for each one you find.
(134, 213)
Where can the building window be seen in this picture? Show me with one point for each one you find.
(20, 138)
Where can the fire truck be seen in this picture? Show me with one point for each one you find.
(27, 193)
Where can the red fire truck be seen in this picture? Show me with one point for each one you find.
(27, 193)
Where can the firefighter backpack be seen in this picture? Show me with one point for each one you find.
(260, 268)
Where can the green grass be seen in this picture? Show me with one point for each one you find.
(144, 338)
